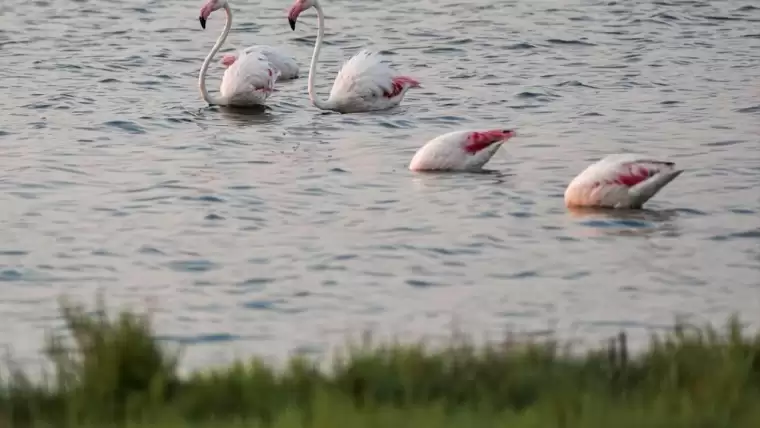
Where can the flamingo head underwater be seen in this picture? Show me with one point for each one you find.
(623, 180)
(460, 150)
(209, 7)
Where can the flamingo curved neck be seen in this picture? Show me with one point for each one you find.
(210, 99)
(319, 103)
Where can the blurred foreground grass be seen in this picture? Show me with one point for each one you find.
(112, 372)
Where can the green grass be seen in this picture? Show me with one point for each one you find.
(111, 372)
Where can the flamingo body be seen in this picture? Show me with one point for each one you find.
(620, 181)
(459, 150)
(363, 84)
(284, 62)
(249, 80)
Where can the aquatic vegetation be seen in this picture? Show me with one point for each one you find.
(112, 371)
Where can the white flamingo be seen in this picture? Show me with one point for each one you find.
(282, 61)
(460, 150)
(247, 82)
(364, 83)
(620, 181)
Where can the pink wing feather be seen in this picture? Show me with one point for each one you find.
(632, 172)
(619, 180)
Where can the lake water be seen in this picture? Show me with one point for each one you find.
(288, 230)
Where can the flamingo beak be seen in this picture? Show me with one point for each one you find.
(203, 22)
(293, 13)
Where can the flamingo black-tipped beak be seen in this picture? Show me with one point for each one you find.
(203, 22)
(292, 23)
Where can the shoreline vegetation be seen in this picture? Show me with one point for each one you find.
(111, 371)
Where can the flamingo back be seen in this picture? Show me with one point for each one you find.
(366, 83)
(286, 64)
(620, 181)
(459, 151)
(249, 80)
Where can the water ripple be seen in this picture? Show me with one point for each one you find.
(289, 227)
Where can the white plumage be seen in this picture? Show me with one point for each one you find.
(281, 60)
(363, 83)
(250, 80)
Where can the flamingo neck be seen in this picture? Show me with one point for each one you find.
(210, 99)
(319, 103)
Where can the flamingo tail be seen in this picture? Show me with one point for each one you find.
(645, 190)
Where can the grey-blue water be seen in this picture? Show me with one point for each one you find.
(288, 230)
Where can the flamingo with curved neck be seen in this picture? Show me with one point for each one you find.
(248, 81)
(364, 83)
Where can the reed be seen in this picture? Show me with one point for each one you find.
(112, 371)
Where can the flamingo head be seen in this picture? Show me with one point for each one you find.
(298, 7)
(209, 7)
(460, 150)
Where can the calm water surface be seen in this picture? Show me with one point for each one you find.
(287, 230)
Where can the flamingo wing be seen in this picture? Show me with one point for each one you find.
(364, 76)
(251, 73)
(279, 58)
(628, 170)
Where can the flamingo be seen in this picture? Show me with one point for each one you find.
(282, 61)
(363, 84)
(460, 150)
(620, 181)
(248, 81)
